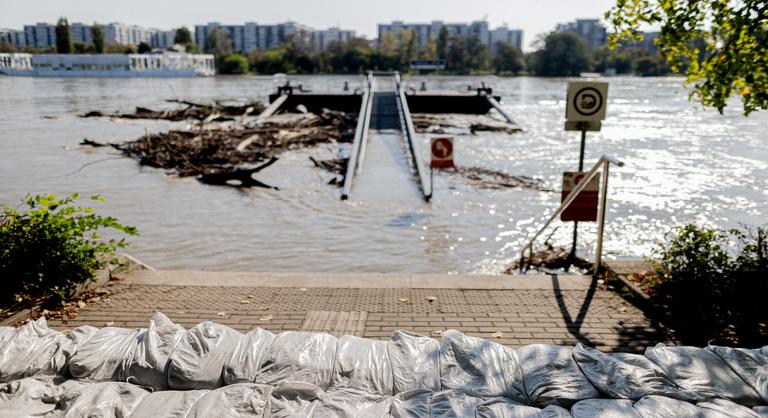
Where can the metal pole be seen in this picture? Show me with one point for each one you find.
(581, 168)
(601, 217)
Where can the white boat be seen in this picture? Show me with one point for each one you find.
(165, 64)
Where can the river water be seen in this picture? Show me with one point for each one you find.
(683, 164)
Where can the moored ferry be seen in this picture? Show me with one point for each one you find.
(165, 64)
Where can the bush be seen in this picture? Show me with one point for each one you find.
(713, 284)
(52, 246)
(234, 64)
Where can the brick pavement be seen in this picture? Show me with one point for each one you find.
(513, 317)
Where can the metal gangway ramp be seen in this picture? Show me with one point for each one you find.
(385, 140)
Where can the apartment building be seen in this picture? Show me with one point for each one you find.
(591, 30)
(480, 29)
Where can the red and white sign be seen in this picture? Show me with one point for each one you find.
(584, 208)
(442, 152)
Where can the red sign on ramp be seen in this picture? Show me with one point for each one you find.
(584, 208)
(442, 153)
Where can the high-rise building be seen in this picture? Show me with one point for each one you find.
(480, 29)
(591, 30)
(17, 38)
(506, 35)
(252, 36)
(40, 35)
(320, 39)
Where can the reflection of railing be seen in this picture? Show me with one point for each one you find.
(357, 155)
(410, 137)
(604, 162)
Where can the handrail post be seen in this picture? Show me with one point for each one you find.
(601, 217)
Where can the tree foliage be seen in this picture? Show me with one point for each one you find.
(183, 36)
(52, 246)
(63, 37)
(722, 45)
(234, 64)
(7, 47)
(563, 54)
(144, 48)
(98, 38)
(508, 59)
(219, 44)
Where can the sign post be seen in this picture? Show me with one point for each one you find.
(442, 157)
(585, 109)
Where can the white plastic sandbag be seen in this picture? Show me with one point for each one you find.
(299, 357)
(504, 408)
(721, 408)
(352, 403)
(552, 377)
(101, 399)
(234, 401)
(168, 403)
(245, 361)
(31, 396)
(480, 367)
(34, 349)
(415, 362)
(146, 366)
(626, 376)
(198, 359)
(362, 364)
(102, 356)
(411, 404)
(662, 407)
(604, 408)
(453, 404)
(295, 400)
(749, 365)
(702, 371)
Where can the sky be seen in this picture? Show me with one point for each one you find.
(534, 17)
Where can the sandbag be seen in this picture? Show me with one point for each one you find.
(722, 408)
(411, 404)
(626, 376)
(453, 404)
(749, 365)
(504, 408)
(604, 408)
(198, 359)
(295, 400)
(6, 333)
(101, 357)
(168, 403)
(703, 372)
(352, 403)
(414, 360)
(146, 365)
(552, 377)
(480, 367)
(299, 357)
(34, 349)
(245, 361)
(761, 411)
(104, 400)
(234, 401)
(31, 396)
(362, 364)
(654, 406)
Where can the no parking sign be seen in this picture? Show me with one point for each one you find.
(442, 152)
(586, 101)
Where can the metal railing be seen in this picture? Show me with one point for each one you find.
(357, 155)
(410, 137)
(604, 162)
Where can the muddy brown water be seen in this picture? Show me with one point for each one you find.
(683, 164)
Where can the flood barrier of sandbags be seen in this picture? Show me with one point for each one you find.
(164, 370)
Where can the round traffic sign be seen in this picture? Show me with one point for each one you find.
(587, 101)
(442, 148)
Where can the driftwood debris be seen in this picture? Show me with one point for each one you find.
(552, 258)
(337, 166)
(439, 123)
(215, 112)
(225, 155)
(484, 178)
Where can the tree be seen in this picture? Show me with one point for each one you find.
(63, 37)
(429, 52)
(467, 54)
(98, 38)
(508, 59)
(442, 43)
(234, 64)
(563, 54)
(219, 44)
(7, 47)
(183, 36)
(144, 48)
(721, 45)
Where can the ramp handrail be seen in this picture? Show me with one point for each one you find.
(358, 145)
(410, 136)
(605, 161)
